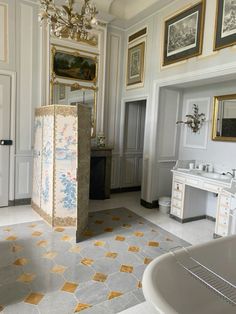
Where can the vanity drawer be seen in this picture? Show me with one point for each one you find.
(176, 211)
(223, 211)
(178, 186)
(178, 195)
(192, 182)
(211, 187)
(179, 178)
(223, 221)
(176, 203)
(225, 201)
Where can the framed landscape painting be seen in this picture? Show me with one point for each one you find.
(225, 30)
(74, 66)
(135, 70)
(184, 34)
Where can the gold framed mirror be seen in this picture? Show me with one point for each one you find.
(224, 118)
(74, 94)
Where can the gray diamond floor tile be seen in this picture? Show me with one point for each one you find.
(106, 265)
(123, 282)
(138, 271)
(21, 308)
(121, 303)
(93, 252)
(58, 303)
(69, 259)
(138, 293)
(98, 309)
(47, 283)
(92, 293)
(79, 274)
(10, 273)
(13, 293)
(130, 258)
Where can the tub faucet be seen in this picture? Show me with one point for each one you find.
(233, 173)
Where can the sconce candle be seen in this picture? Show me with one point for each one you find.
(194, 121)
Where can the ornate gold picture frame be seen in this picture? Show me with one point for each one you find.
(224, 118)
(135, 67)
(70, 64)
(184, 34)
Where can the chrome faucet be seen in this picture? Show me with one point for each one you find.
(233, 173)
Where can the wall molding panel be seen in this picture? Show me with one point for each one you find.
(113, 93)
(3, 33)
(28, 47)
(25, 80)
(23, 186)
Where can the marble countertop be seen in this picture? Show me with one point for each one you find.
(212, 176)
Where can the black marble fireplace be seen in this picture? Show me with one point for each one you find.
(100, 173)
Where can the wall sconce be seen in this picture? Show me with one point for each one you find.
(194, 121)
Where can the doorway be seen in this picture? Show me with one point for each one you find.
(132, 162)
(5, 112)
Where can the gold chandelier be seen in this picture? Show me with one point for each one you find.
(65, 22)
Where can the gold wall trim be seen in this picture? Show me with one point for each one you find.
(66, 110)
(64, 222)
(44, 111)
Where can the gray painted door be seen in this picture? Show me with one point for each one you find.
(133, 144)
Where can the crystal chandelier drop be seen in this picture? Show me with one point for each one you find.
(65, 22)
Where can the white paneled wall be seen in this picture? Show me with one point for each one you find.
(28, 78)
(19, 57)
(3, 32)
(23, 186)
(113, 98)
(24, 54)
(161, 142)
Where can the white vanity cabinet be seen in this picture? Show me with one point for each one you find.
(177, 201)
(222, 217)
(190, 200)
(226, 215)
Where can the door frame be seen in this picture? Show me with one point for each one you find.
(12, 76)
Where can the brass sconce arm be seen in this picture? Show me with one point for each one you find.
(194, 121)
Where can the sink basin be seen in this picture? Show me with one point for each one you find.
(216, 176)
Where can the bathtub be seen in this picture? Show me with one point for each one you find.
(198, 280)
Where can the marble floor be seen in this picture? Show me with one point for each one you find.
(189, 232)
(44, 271)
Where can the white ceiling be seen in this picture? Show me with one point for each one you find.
(127, 9)
(124, 12)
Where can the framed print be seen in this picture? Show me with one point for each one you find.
(184, 34)
(135, 70)
(225, 30)
(73, 66)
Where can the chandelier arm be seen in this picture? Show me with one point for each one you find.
(65, 20)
